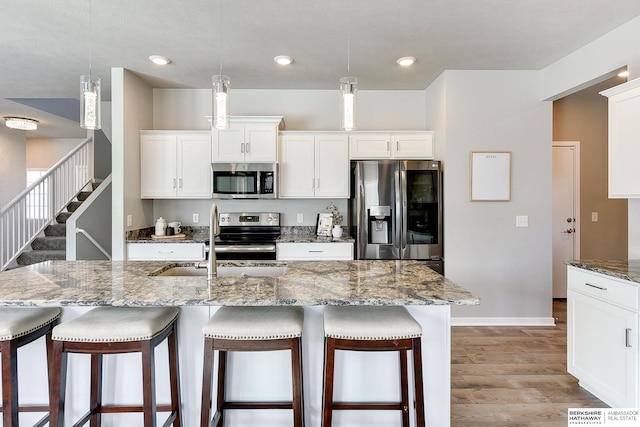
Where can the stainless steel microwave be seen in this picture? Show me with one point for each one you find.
(244, 180)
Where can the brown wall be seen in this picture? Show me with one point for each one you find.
(583, 117)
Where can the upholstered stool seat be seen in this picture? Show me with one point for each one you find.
(20, 326)
(251, 329)
(373, 328)
(113, 330)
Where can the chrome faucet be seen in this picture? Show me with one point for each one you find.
(214, 230)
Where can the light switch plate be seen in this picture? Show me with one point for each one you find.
(196, 218)
(300, 218)
(594, 216)
(129, 220)
(522, 221)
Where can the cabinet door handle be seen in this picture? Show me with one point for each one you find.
(165, 252)
(318, 184)
(247, 147)
(310, 251)
(174, 183)
(179, 182)
(387, 146)
(627, 337)
(242, 147)
(397, 146)
(597, 287)
(313, 183)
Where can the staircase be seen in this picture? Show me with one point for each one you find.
(53, 245)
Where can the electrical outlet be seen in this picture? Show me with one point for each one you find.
(196, 218)
(594, 216)
(129, 220)
(300, 218)
(522, 221)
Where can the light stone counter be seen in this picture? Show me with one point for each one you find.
(620, 268)
(78, 285)
(133, 283)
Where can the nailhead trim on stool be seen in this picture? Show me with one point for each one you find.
(20, 326)
(251, 329)
(114, 330)
(373, 328)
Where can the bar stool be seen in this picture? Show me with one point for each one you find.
(251, 329)
(113, 330)
(20, 326)
(373, 328)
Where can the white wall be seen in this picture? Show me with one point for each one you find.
(42, 153)
(509, 268)
(132, 101)
(13, 175)
(302, 109)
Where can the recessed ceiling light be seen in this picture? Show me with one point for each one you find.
(159, 60)
(21, 123)
(283, 59)
(624, 73)
(406, 61)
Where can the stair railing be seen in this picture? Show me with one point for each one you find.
(27, 215)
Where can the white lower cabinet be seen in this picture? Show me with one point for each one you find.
(314, 251)
(602, 336)
(165, 251)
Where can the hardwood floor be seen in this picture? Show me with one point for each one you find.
(514, 376)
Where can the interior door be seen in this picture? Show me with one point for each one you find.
(565, 228)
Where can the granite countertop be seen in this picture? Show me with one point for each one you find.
(620, 268)
(131, 283)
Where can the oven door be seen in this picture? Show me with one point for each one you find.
(245, 251)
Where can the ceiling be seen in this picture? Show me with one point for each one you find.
(47, 45)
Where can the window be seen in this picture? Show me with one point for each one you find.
(38, 198)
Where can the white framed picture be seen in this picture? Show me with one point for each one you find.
(324, 224)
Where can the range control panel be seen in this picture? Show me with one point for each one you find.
(249, 218)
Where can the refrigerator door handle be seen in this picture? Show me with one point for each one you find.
(403, 212)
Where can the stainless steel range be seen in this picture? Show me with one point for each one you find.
(248, 236)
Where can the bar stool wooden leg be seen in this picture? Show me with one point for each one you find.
(148, 384)
(58, 388)
(296, 378)
(417, 373)
(174, 374)
(95, 399)
(329, 364)
(207, 373)
(404, 387)
(221, 396)
(9, 383)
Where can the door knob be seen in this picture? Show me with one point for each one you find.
(569, 230)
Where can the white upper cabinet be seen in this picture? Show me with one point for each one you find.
(391, 145)
(175, 164)
(313, 165)
(624, 140)
(248, 139)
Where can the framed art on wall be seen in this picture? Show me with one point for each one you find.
(490, 176)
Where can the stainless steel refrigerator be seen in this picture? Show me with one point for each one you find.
(396, 210)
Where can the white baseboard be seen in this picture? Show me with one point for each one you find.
(502, 321)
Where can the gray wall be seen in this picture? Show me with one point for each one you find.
(13, 159)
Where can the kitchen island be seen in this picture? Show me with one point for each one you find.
(78, 285)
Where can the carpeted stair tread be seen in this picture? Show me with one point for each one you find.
(56, 230)
(62, 217)
(49, 243)
(34, 257)
(83, 195)
(73, 206)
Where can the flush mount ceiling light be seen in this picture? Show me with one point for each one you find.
(21, 123)
(283, 59)
(405, 61)
(159, 60)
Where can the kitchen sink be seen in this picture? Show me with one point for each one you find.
(254, 270)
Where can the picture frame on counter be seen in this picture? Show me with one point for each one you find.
(324, 224)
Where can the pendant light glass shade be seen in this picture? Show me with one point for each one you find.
(348, 87)
(220, 101)
(90, 100)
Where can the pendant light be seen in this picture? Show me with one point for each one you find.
(90, 94)
(220, 85)
(348, 88)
